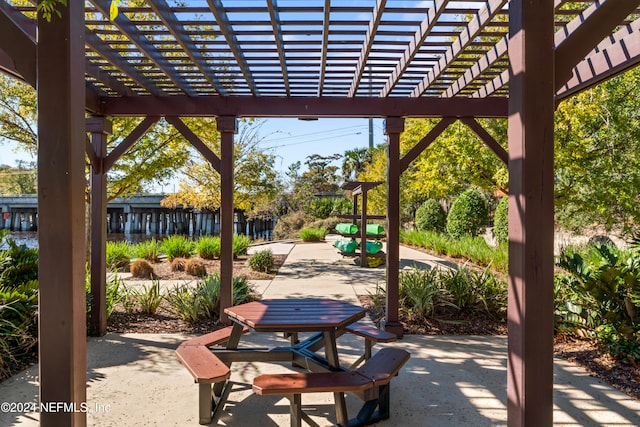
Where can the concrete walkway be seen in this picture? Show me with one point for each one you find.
(136, 380)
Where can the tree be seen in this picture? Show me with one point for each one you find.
(255, 177)
(354, 162)
(153, 159)
(18, 180)
(597, 161)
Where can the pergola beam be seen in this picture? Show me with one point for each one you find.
(18, 40)
(479, 67)
(488, 140)
(425, 142)
(114, 58)
(326, 21)
(265, 106)
(128, 142)
(576, 40)
(584, 32)
(195, 141)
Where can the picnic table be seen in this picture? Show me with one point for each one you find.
(326, 320)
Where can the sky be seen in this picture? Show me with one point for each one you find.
(291, 140)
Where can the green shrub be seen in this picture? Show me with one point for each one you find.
(262, 260)
(177, 246)
(208, 247)
(185, 302)
(313, 234)
(289, 226)
(421, 293)
(501, 221)
(468, 214)
(320, 207)
(18, 265)
(431, 216)
(149, 250)
(149, 298)
(240, 245)
(118, 256)
(341, 206)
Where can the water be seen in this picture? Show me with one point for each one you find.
(30, 238)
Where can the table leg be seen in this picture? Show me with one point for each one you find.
(331, 354)
(232, 344)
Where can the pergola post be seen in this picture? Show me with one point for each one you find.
(393, 127)
(100, 128)
(530, 305)
(227, 128)
(61, 231)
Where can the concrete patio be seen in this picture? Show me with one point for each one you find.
(135, 379)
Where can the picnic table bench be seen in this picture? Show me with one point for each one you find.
(205, 367)
(372, 380)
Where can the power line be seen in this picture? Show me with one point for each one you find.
(312, 140)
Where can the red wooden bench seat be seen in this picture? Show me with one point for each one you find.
(372, 335)
(375, 374)
(205, 367)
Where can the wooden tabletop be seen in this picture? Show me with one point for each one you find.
(296, 315)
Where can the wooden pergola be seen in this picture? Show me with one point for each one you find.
(454, 60)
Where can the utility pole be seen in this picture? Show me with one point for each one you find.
(370, 118)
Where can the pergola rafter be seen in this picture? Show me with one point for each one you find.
(230, 36)
(276, 24)
(131, 31)
(367, 45)
(173, 24)
(466, 37)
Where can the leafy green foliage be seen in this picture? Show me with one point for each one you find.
(469, 288)
(420, 292)
(148, 249)
(431, 216)
(208, 247)
(473, 249)
(262, 260)
(18, 265)
(313, 234)
(18, 180)
(605, 293)
(501, 221)
(241, 244)
(177, 246)
(255, 176)
(203, 301)
(468, 214)
(118, 255)
(149, 297)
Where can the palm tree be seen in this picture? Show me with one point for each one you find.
(354, 162)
